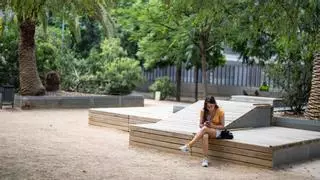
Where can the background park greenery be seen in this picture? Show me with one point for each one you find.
(103, 46)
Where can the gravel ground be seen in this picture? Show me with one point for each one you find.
(59, 144)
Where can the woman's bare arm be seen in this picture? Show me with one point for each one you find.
(201, 124)
(222, 123)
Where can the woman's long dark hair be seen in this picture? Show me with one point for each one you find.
(210, 100)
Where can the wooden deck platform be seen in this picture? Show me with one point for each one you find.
(120, 118)
(256, 142)
(264, 147)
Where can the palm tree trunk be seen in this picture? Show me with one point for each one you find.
(202, 45)
(30, 83)
(313, 111)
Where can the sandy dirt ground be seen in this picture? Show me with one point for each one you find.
(59, 144)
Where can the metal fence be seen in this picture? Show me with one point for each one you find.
(227, 75)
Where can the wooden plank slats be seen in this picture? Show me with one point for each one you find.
(222, 149)
(237, 157)
(116, 117)
(109, 125)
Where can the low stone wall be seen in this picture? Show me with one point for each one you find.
(35, 102)
(312, 125)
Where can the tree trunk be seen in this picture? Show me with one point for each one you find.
(313, 111)
(178, 81)
(203, 63)
(30, 83)
(196, 77)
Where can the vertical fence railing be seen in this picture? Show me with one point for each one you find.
(227, 75)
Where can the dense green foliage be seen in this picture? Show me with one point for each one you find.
(108, 70)
(174, 35)
(29, 13)
(282, 35)
(91, 35)
(285, 34)
(9, 57)
(295, 80)
(164, 85)
(120, 76)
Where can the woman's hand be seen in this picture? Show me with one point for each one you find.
(201, 125)
(207, 123)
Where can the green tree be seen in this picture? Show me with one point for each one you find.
(166, 31)
(208, 22)
(159, 44)
(289, 32)
(91, 36)
(29, 13)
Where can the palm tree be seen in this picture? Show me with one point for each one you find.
(31, 12)
(313, 111)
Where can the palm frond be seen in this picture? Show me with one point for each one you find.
(105, 19)
(43, 17)
(74, 27)
(6, 18)
(37, 10)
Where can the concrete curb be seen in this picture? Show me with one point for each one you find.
(312, 125)
(38, 102)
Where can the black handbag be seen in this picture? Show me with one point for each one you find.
(225, 134)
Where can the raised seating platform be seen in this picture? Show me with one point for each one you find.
(120, 118)
(275, 102)
(265, 146)
(238, 115)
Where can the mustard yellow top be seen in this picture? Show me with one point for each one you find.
(217, 118)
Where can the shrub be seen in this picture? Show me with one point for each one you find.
(52, 81)
(68, 69)
(46, 54)
(120, 76)
(164, 85)
(111, 49)
(295, 81)
(9, 65)
(264, 87)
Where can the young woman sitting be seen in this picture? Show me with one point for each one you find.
(211, 125)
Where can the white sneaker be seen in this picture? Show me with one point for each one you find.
(184, 148)
(204, 163)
